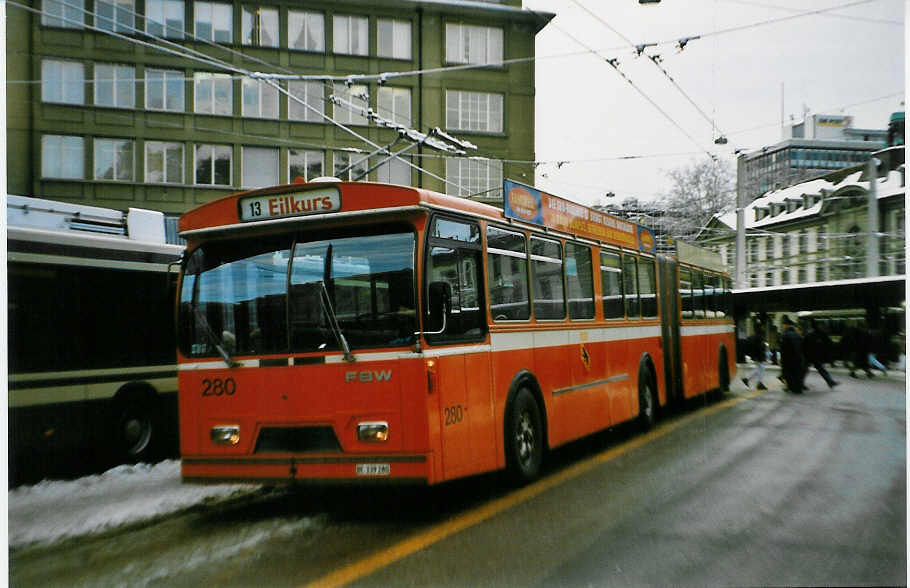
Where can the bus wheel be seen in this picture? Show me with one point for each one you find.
(135, 428)
(647, 407)
(524, 437)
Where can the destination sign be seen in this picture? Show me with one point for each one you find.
(530, 205)
(317, 201)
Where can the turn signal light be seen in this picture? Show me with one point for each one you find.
(225, 435)
(373, 431)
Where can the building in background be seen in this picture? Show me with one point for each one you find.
(816, 230)
(151, 103)
(819, 144)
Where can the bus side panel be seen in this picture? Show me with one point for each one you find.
(479, 382)
(551, 360)
(507, 364)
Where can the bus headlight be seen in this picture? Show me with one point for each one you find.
(373, 431)
(225, 434)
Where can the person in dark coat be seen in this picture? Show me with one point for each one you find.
(791, 356)
(816, 346)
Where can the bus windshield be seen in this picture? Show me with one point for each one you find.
(279, 294)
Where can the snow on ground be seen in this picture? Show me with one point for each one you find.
(53, 510)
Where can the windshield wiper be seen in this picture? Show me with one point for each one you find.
(327, 306)
(333, 323)
(213, 338)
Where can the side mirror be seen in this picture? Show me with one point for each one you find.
(439, 304)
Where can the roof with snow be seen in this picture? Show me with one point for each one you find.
(806, 199)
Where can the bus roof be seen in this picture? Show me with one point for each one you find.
(523, 205)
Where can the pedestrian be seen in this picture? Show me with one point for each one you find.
(816, 346)
(874, 338)
(773, 342)
(855, 344)
(791, 356)
(755, 348)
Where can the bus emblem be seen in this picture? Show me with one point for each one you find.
(368, 376)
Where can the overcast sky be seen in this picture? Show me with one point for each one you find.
(836, 62)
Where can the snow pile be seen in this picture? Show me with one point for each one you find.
(53, 510)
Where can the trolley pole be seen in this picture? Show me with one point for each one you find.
(872, 250)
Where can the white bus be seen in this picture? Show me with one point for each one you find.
(92, 371)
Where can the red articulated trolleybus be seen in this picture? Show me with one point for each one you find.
(333, 330)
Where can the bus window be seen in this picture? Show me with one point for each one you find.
(710, 295)
(611, 284)
(370, 284)
(459, 265)
(698, 294)
(647, 287)
(234, 296)
(456, 231)
(580, 281)
(630, 281)
(726, 307)
(685, 292)
(508, 266)
(546, 269)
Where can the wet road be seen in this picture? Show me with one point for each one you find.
(758, 489)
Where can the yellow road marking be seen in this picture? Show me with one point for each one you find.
(424, 539)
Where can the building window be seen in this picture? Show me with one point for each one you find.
(115, 15)
(351, 104)
(260, 99)
(473, 44)
(114, 160)
(62, 81)
(165, 18)
(474, 111)
(395, 104)
(114, 85)
(821, 254)
(259, 26)
(306, 31)
(213, 94)
(394, 171)
(164, 90)
(63, 13)
(393, 38)
(305, 164)
(214, 22)
(163, 162)
(350, 35)
(260, 167)
(350, 167)
(473, 177)
(62, 157)
(213, 165)
(312, 94)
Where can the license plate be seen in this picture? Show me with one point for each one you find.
(373, 469)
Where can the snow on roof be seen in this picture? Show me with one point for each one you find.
(821, 188)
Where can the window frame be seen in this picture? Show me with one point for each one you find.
(507, 253)
(265, 94)
(117, 70)
(165, 144)
(60, 157)
(251, 15)
(213, 79)
(166, 73)
(167, 31)
(63, 67)
(467, 120)
(395, 31)
(214, 10)
(349, 29)
(304, 16)
(534, 276)
(306, 152)
(212, 146)
(308, 115)
(99, 143)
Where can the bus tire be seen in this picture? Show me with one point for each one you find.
(647, 399)
(137, 428)
(524, 437)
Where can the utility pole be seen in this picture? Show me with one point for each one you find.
(872, 251)
(740, 223)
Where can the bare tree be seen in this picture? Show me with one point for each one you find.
(699, 190)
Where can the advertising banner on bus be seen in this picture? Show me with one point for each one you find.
(531, 205)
